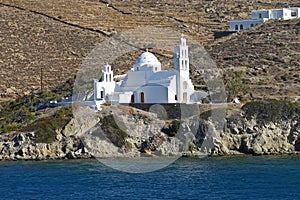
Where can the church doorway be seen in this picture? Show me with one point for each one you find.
(142, 97)
(132, 98)
(102, 93)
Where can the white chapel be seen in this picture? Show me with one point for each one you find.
(146, 82)
(261, 16)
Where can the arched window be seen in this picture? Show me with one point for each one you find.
(106, 78)
(142, 97)
(110, 78)
(260, 15)
(236, 27)
(241, 27)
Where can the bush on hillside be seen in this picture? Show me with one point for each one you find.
(271, 110)
(112, 131)
(45, 129)
(18, 113)
(172, 129)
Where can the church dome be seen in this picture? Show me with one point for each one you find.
(148, 59)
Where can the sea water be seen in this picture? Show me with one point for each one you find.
(187, 178)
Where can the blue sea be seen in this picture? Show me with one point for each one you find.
(187, 178)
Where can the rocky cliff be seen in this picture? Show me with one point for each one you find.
(261, 128)
(22, 146)
(257, 128)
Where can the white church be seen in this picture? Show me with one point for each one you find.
(261, 16)
(146, 82)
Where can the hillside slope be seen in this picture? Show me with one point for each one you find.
(199, 19)
(30, 42)
(56, 36)
(268, 55)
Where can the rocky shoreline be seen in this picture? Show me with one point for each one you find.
(246, 131)
(21, 146)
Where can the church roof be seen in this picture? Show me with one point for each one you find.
(162, 78)
(146, 58)
(162, 75)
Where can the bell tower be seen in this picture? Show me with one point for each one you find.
(107, 74)
(105, 87)
(181, 56)
(182, 65)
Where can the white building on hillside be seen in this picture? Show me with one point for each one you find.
(146, 82)
(261, 16)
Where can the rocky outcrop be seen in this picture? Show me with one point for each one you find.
(22, 146)
(264, 128)
(261, 129)
(266, 140)
(124, 131)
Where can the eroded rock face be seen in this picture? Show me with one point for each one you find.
(141, 133)
(124, 131)
(251, 136)
(21, 146)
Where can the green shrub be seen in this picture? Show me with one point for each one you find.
(234, 85)
(11, 127)
(18, 113)
(14, 115)
(45, 128)
(271, 110)
(172, 128)
(113, 132)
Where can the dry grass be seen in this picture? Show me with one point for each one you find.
(58, 35)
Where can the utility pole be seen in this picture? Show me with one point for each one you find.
(41, 79)
(198, 24)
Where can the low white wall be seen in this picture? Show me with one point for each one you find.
(260, 14)
(244, 24)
